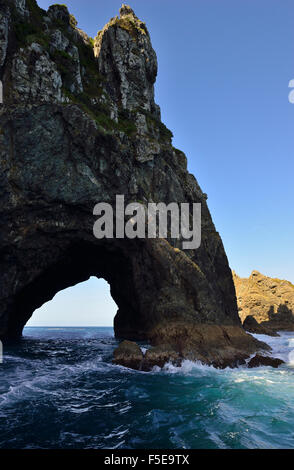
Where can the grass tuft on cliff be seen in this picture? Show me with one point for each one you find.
(129, 23)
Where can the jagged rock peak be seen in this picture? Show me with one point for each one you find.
(127, 21)
(128, 61)
(126, 10)
(256, 273)
(59, 12)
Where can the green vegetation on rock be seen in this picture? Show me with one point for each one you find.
(129, 23)
(28, 32)
(153, 123)
(93, 99)
(72, 21)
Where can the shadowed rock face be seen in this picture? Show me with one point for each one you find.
(270, 301)
(79, 126)
(258, 361)
(252, 326)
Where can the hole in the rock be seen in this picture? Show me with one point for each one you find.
(63, 268)
(88, 303)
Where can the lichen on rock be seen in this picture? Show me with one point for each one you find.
(34, 77)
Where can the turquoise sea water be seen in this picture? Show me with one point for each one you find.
(59, 389)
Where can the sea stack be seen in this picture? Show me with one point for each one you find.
(79, 125)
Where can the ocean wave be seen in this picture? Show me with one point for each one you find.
(67, 393)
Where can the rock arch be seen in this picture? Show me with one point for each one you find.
(85, 130)
(67, 267)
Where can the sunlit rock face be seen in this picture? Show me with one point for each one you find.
(269, 301)
(79, 125)
(126, 57)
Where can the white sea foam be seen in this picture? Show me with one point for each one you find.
(291, 358)
(187, 367)
(282, 347)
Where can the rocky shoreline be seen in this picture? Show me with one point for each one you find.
(129, 354)
(219, 346)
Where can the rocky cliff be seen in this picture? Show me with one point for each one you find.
(269, 301)
(79, 125)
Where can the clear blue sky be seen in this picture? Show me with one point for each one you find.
(224, 69)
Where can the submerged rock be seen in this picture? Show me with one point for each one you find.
(79, 126)
(258, 361)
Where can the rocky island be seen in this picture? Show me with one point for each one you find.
(79, 125)
(265, 304)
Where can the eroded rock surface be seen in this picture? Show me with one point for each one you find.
(270, 301)
(160, 355)
(128, 354)
(79, 125)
